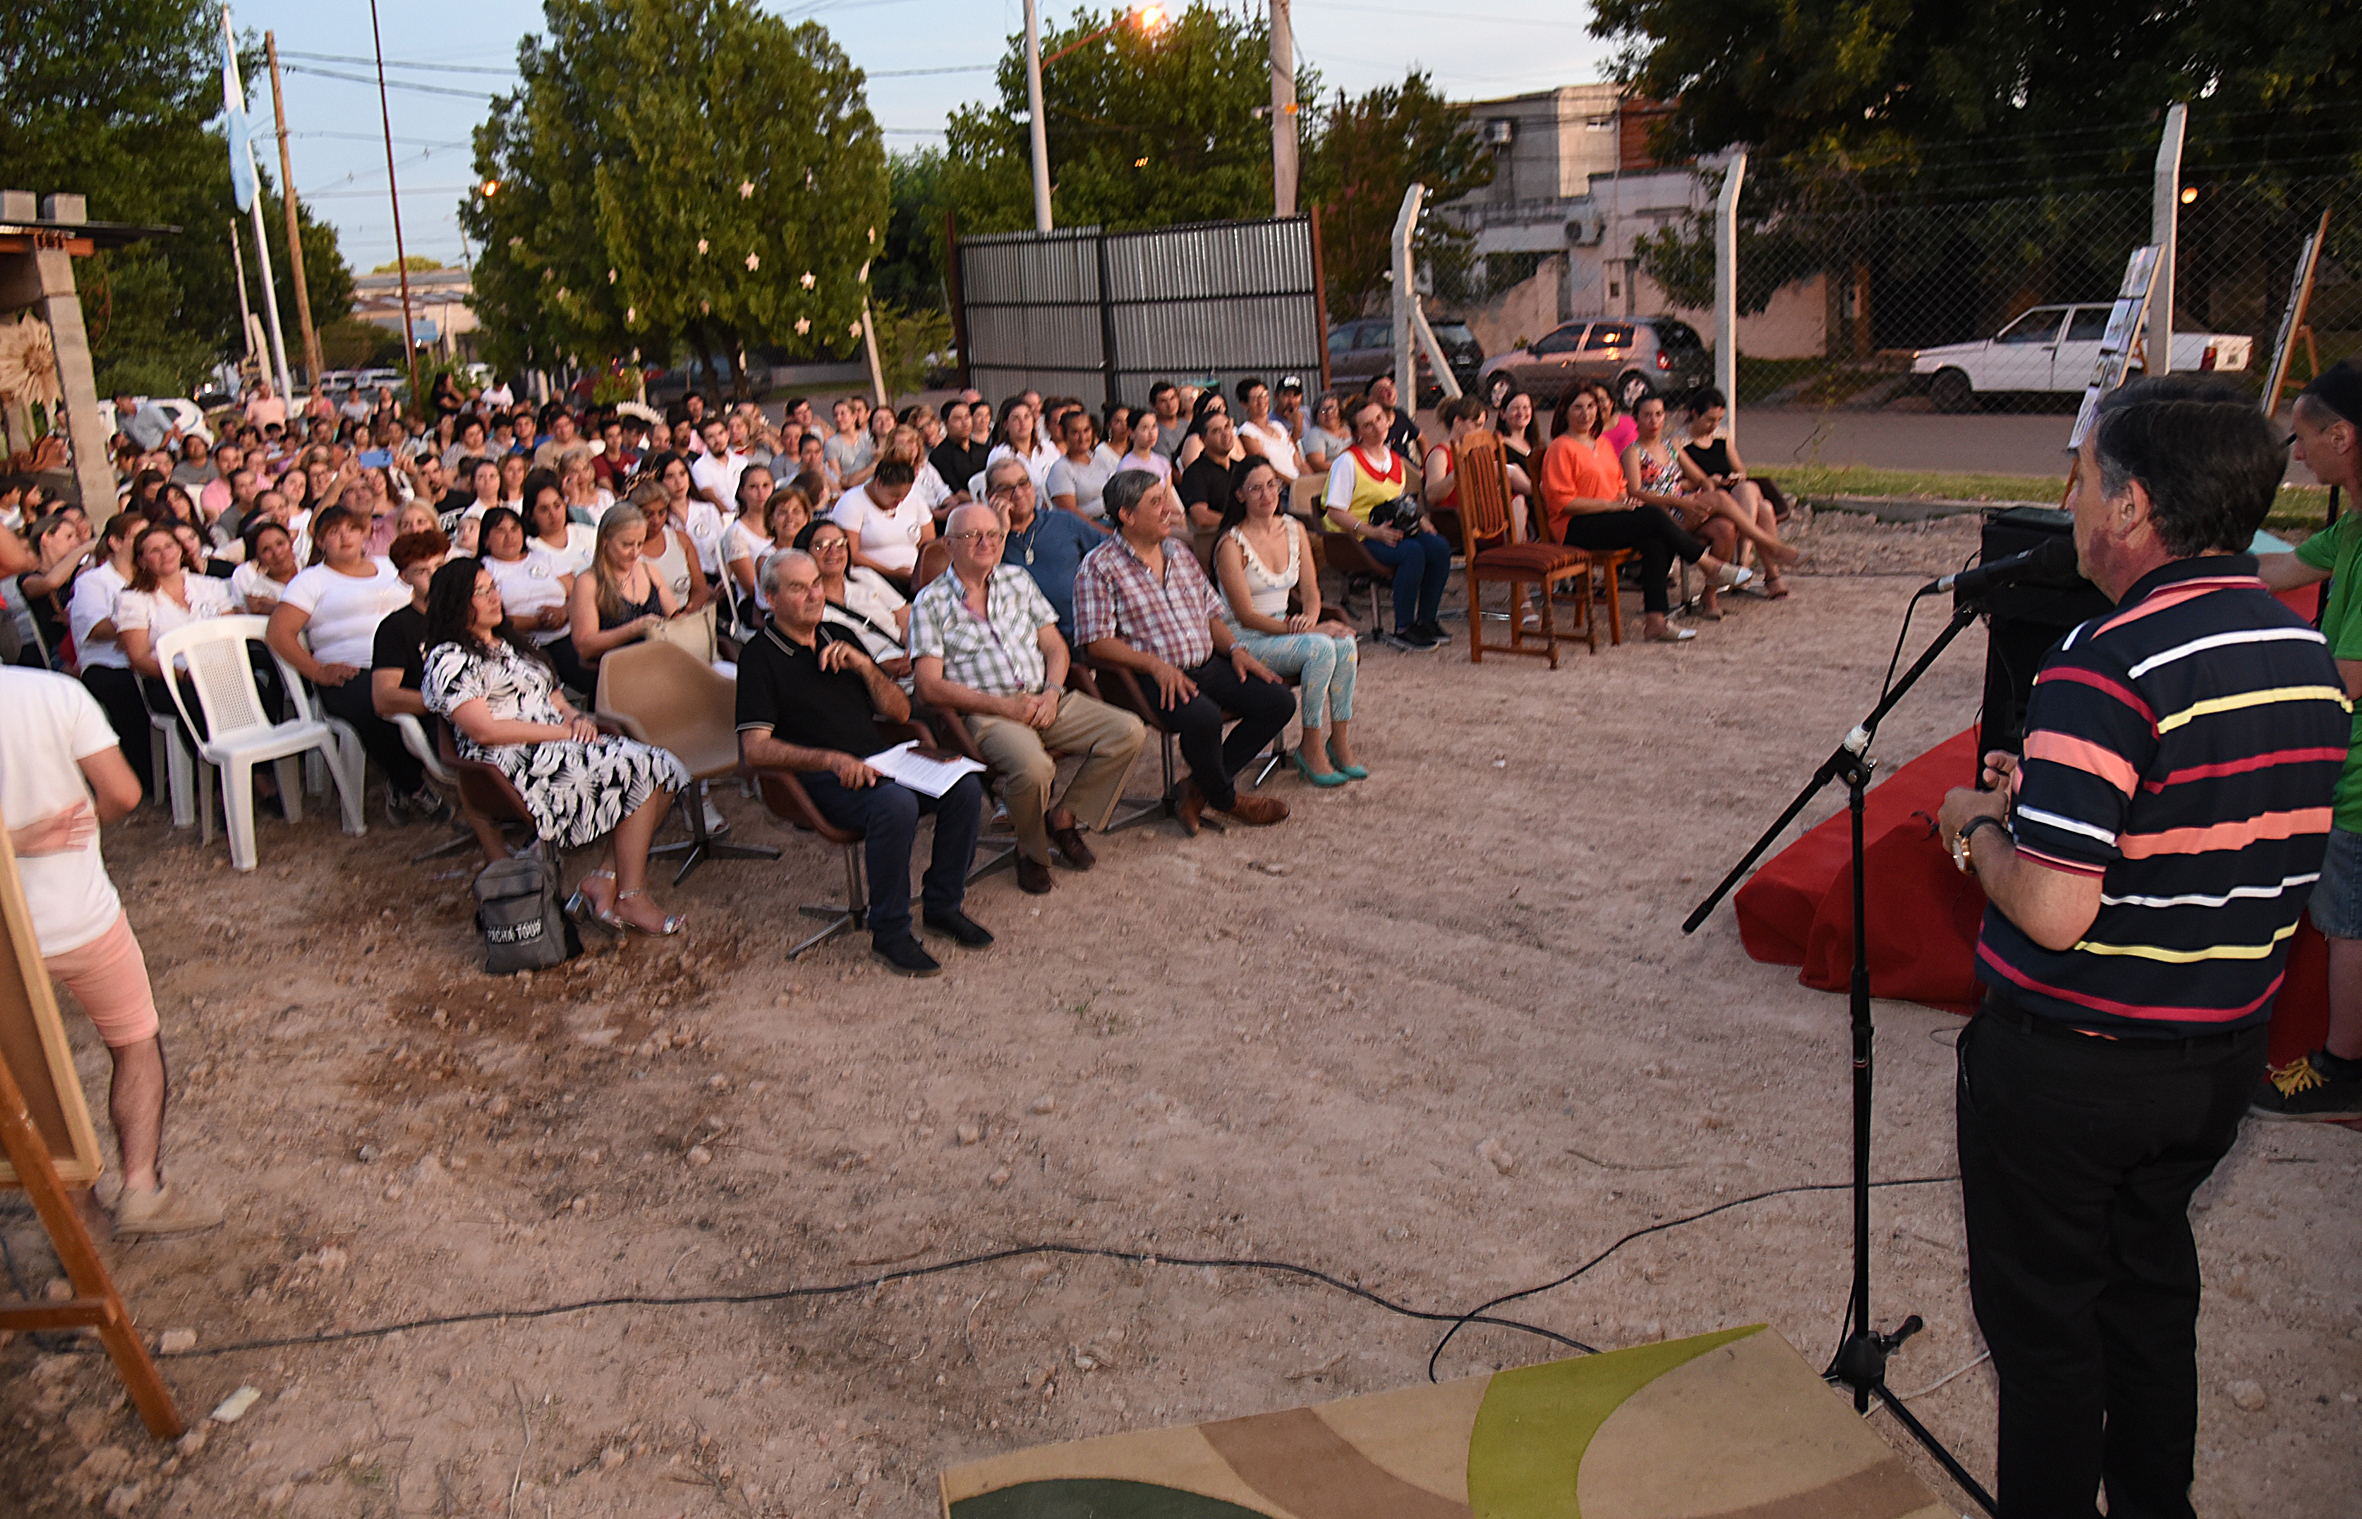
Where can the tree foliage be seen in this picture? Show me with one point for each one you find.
(2019, 134)
(910, 272)
(1145, 129)
(685, 178)
(1365, 154)
(112, 99)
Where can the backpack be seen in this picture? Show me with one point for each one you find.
(517, 908)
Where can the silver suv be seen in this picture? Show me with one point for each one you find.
(1632, 356)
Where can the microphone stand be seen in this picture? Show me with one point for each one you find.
(1860, 1363)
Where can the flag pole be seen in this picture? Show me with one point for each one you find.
(295, 274)
(242, 148)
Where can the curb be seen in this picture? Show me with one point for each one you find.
(1911, 508)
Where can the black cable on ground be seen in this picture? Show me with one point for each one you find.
(1479, 1315)
(1476, 1315)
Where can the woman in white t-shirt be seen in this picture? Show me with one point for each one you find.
(745, 541)
(557, 534)
(1264, 434)
(163, 595)
(886, 521)
(325, 627)
(1143, 454)
(270, 565)
(534, 586)
(1021, 438)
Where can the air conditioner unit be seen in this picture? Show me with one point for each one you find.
(1587, 228)
(1499, 131)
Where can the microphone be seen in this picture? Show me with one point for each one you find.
(2050, 563)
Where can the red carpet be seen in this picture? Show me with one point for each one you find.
(1798, 909)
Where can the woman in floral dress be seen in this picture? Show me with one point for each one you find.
(580, 785)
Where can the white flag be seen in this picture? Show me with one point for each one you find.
(233, 106)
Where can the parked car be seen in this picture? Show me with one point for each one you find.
(2052, 350)
(1361, 351)
(1632, 356)
(185, 414)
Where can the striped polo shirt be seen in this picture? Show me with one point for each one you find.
(2183, 749)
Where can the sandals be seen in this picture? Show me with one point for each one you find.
(672, 925)
(1670, 635)
(579, 904)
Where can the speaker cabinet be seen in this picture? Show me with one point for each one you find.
(2025, 621)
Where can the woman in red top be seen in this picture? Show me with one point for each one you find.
(1587, 506)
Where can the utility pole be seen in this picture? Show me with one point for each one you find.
(245, 312)
(385, 114)
(1033, 107)
(1283, 112)
(303, 294)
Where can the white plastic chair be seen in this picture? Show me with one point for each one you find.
(422, 749)
(239, 731)
(169, 756)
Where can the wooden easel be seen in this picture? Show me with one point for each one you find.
(2293, 326)
(35, 1048)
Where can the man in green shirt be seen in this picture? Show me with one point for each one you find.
(2326, 1085)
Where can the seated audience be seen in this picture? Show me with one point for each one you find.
(927, 485)
(809, 701)
(1587, 506)
(1660, 475)
(786, 514)
(579, 784)
(551, 523)
(105, 669)
(1262, 557)
(1145, 450)
(60, 546)
(1261, 433)
(861, 601)
(1142, 604)
(886, 521)
(669, 549)
(985, 645)
(397, 666)
(959, 458)
(697, 523)
(164, 594)
(746, 540)
(536, 590)
(1076, 480)
(1462, 416)
(1021, 438)
(1370, 475)
(1208, 457)
(1049, 546)
(324, 626)
(1717, 457)
(622, 596)
(263, 575)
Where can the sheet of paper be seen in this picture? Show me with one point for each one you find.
(928, 777)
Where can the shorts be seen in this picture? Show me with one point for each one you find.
(2336, 905)
(109, 977)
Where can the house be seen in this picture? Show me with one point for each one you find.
(1575, 188)
(440, 317)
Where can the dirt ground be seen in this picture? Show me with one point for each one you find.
(1439, 1034)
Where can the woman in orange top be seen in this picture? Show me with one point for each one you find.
(1587, 506)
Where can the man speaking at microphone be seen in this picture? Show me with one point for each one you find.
(2145, 862)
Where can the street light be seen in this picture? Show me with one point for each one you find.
(1149, 18)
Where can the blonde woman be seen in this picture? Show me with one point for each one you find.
(624, 595)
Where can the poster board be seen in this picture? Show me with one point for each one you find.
(2124, 323)
(2292, 319)
(33, 1041)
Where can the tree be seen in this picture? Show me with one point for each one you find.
(113, 100)
(910, 273)
(416, 263)
(1145, 129)
(1364, 155)
(677, 178)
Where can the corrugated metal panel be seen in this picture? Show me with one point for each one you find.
(1209, 301)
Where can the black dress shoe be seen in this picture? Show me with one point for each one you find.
(905, 956)
(1069, 842)
(963, 930)
(1033, 877)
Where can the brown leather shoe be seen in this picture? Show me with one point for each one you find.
(1033, 877)
(1258, 811)
(1069, 842)
(1191, 809)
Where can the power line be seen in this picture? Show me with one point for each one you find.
(957, 68)
(433, 68)
(408, 142)
(391, 84)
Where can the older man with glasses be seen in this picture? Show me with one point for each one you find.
(984, 644)
(1048, 545)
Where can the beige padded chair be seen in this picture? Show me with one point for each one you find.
(661, 694)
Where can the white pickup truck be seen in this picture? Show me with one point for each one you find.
(2054, 349)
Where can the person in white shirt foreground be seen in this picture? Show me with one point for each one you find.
(63, 773)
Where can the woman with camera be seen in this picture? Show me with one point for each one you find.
(1366, 501)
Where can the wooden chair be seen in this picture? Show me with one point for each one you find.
(661, 694)
(784, 794)
(1487, 537)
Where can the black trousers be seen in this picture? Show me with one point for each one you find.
(1649, 529)
(887, 816)
(2077, 1160)
(1262, 708)
(118, 693)
(381, 739)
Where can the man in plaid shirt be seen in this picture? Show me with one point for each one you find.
(984, 643)
(1142, 604)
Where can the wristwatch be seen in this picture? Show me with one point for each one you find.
(1960, 855)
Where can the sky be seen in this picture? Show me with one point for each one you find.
(334, 129)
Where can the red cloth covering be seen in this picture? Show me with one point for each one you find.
(1924, 914)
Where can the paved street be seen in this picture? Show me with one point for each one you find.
(1980, 443)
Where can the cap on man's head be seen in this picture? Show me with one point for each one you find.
(2338, 388)
(1290, 384)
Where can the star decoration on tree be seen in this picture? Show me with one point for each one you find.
(702, 245)
(855, 329)
(753, 262)
(746, 189)
(810, 279)
(803, 325)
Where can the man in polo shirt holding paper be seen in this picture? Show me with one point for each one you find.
(2145, 862)
(810, 700)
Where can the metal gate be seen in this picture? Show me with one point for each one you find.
(1086, 312)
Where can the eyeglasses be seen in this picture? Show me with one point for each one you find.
(989, 535)
(831, 546)
(1017, 488)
